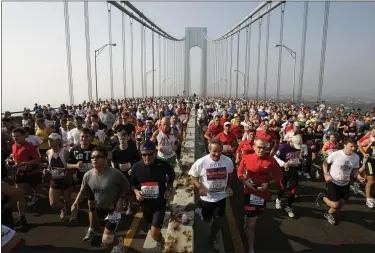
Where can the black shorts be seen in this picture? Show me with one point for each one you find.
(102, 213)
(210, 209)
(254, 206)
(289, 180)
(60, 184)
(32, 179)
(154, 213)
(337, 192)
(370, 167)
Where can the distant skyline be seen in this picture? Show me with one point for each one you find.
(34, 53)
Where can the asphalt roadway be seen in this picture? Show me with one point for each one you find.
(275, 231)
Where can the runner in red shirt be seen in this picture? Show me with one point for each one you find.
(225, 118)
(229, 140)
(256, 171)
(214, 129)
(238, 129)
(270, 137)
(246, 146)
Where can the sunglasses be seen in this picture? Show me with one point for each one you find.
(150, 154)
(260, 147)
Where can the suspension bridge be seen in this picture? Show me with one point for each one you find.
(230, 67)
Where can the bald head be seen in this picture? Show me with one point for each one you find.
(166, 123)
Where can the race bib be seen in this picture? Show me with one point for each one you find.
(6, 235)
(86, 167)
(150, 190)
(114, 217)
(256, 201)
(167, 150)
(125, 167)
(351, 134)
(216, 179)
(56, 175)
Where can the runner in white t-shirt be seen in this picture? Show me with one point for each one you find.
(343, 163)
(212, 175)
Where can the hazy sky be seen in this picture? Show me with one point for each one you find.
(34, 52)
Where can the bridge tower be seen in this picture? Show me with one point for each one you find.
(195, 36)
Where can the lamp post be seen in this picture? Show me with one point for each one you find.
(97, 52)
(244, 80)
(148, 72)
(294, 55)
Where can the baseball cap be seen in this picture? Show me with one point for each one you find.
(148, 145)
(54, 137)
(296, 124)
(297, 141)
(227, 123)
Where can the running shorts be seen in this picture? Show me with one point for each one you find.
(210, 209)
(31, 179)
(154, 212)
(337, 192)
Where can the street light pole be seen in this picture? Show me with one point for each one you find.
(97, 52)
(294, 56)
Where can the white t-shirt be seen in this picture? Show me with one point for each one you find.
(342, 166)
(74, 135)
(35, 140)
(213, 175)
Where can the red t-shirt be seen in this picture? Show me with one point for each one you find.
(270, 138)
(238, 130)
(260, 170)
(214, 130)
(223, 120)
(245, 147)
(229, 142)
(25, 152)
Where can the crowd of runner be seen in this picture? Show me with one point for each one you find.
(119, 154)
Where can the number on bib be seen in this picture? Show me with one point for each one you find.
(150, 190)
(125, 167)
(256, 201)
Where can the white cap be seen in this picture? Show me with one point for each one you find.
(54, 137)
(297, 141)
(227, 123)
(296, 124)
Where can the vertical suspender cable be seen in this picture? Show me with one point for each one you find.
(215, 66)
(303, 47)
(246, 57)
(280, 52)
(238, 61)
(132, 54)
(142, 66)
(230, 66)
(167, 90)
(159, 65)
(323, 52)
(258, 67)
(248, 65)
(123, 53)
(266, 60)
(153, 65)
(145, 61)
(110, 48)
(88, 50)
(222, 69)
(225, 67)
(68, 52)
(165, 67)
